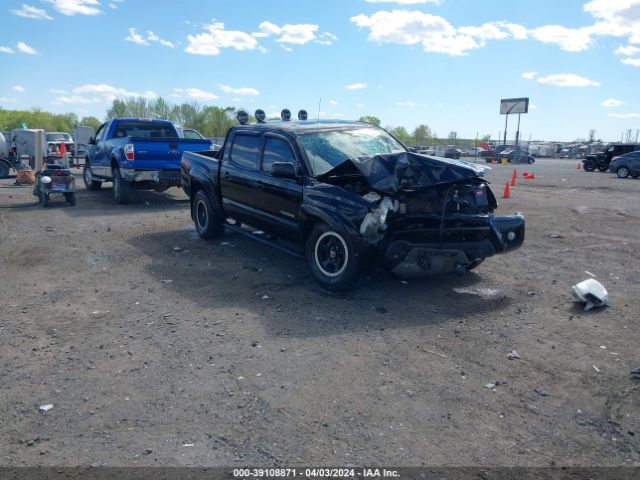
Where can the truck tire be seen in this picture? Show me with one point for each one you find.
(4, 170)
(70, 198)
(208, 221)
(589, 166)
(623, 172)
(332, 258)
(121, 188)
(87, 176)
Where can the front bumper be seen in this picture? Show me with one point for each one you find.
(411, 259)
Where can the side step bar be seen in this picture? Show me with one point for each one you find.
(272, 243)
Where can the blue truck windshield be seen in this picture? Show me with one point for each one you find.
(328, 149)
(145, 130)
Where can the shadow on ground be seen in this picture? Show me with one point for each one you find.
(238, 274)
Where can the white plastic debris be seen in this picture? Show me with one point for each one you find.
(46, 408)
(512, 355)
(592, 293)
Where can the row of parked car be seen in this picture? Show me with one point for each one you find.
(623, 159)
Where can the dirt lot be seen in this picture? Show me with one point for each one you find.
(158, 348)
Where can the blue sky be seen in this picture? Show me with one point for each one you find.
(443, 63)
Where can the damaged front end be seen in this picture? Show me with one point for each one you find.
(427, 215)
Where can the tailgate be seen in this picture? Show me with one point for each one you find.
(163, 153)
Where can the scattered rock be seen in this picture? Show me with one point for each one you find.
(147, 451)
(490, 385)
(541, 391)
(46, 407)
(555, 235)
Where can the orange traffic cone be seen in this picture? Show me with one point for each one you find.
(579, 166)
(514, 177)
(531, 176)
(507, 192)
(63, 149)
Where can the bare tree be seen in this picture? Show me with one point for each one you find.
(628, 135)
(592, 136)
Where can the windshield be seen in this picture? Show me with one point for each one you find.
(58, 137)
(327, 150)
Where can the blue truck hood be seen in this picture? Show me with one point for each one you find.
(405, 171)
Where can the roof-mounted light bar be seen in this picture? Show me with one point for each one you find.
(302, 115)
(260, 115)
(242, 117)
(285, 115)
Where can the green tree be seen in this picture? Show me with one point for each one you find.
(370, 119)
(92, 122)
(422, 135)
(118, 109)
(400, 133)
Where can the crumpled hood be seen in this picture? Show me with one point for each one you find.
(393, 172)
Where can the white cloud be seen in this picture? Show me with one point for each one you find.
(568, 39)
(135, 37)
(612, 102)
(152, 37)
(239, 91)
(433, 32)
(110, 93)
(405, 2)
(326, 38)
(567, 80)
(195, 93)
(24, 48)
(112, 6)
(76, 100)
(529, 75)
(297, 34)
(8, 50)
(8, 100)
(58, 91)
(533, 106)
(333, 102)
(634, 62)
(19, 88)
(76, 7)
(28, 11)
(216, 38)
(407, 104)
(624, 115)
(360, 105)
(286, 49)
(627, 50)
(356, 86)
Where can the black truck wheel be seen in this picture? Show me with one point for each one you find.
(332, 258)
(623, 172)
(589, 166)
(208, 220)
(4, 169)
(87, 176)
(121, 188)
(70, 198)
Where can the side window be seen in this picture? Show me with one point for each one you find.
(100, 132)
(246, 151)
(276, 150)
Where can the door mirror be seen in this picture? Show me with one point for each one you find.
(92, 141)
(284, 170)
(412, 149)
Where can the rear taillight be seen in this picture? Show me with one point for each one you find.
(128, 151)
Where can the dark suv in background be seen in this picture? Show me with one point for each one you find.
(602, 160)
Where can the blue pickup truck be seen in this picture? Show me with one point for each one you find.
(137, 153)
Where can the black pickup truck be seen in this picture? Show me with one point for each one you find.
(345, 196)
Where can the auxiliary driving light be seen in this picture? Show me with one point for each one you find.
(285, 115)
(511, 236)
(260, 116)
(302, 115)
(242, 117)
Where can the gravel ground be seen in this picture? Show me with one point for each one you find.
(158, 348)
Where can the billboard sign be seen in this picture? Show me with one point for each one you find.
(514, 105)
